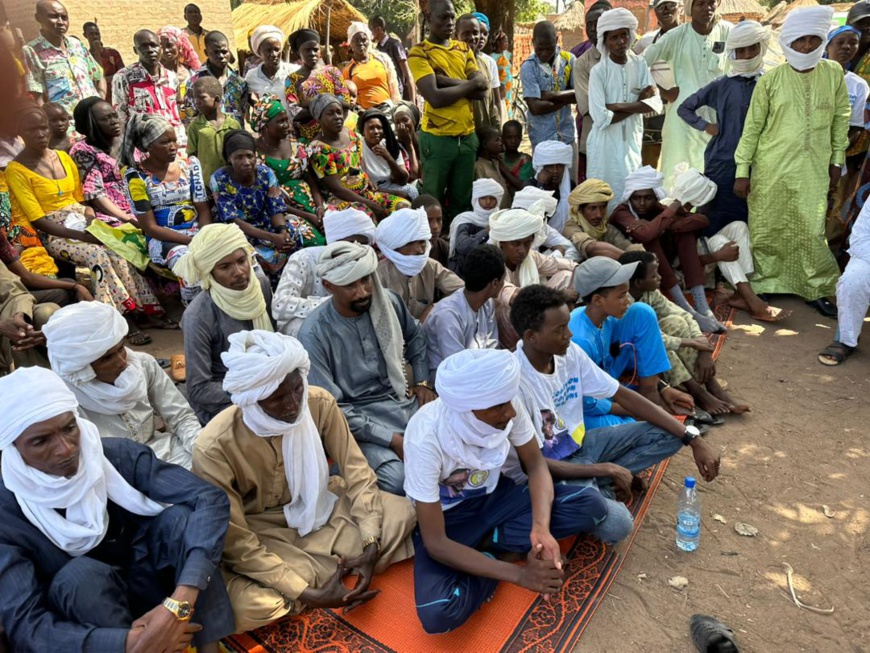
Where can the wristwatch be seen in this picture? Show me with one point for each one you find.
(181, 609)
(690, 434)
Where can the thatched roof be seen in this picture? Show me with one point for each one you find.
(291, 16)
(572, 19)
(777, 15)
(735, 9)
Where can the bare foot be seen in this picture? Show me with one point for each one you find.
(760, 310)
(719, 393)
(712, 404)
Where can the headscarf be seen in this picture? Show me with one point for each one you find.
(342, 264)
(805, 21)
(375, 166)
(591, 191)
(186, 54)
(257, 363)
(397, 230)
(550, 153)
(691, 187)
(478, 215)
(475, 379)
(32, 395)
(357, 27)
(84, 122)
(483, 18)
(842, 29)
(407, 108)
(235, 140)
(264, 109)
(319, 103)
(389, 140)
(301, 36)
(743, 35)
(80, 334)
(264, 32)
(516, 224)
(141, 131)
(339, 225)
(644, 178)
(206, 249)
(616, 19)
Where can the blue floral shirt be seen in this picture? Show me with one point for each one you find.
(537, 78)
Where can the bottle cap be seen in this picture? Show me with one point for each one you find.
(690, 481)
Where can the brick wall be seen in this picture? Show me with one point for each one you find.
(120, 19)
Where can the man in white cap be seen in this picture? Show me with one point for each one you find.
(696, 54)
(267, 42)
(125, 393)
(300, 290)
(467, 510)
(404, 239)
(294, 532)
(233, 299)
(358, 342)
(798, 165)
(102, 546)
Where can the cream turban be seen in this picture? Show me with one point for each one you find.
(343, 263)
(31, 395)
(264, 32)
(691, 187)
(486, 187)
(615, 19)
(357, 27)
(524, 198)
(550, 153)
(339, 225)
(258, 362)
(397, 230)
(744, 35)
(517, 224)
(806, 21)
(478, 216)
(645, 178)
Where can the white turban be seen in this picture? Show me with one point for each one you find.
(744, 35)
(32, 395)
(486, 187)
(614, 19)
(357, 27)
(397, 230)
(475, 379)
(342, 264)
(691, 187)
(257, 363)
(517, 224)
(523, 199)
(645, 178)
(339, 225)
(550, 153)
(79, 334)
(806, 21)
(478, 215)
(264, 32)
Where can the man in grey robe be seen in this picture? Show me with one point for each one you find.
(357, 342)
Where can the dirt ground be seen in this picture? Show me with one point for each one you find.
(804, 446)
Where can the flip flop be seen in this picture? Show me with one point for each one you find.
(178, 369)
(703, 417)
(139, 339)
(710, 635)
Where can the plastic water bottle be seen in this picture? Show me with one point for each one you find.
(689, 517)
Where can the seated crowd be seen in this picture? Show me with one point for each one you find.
(403, 336)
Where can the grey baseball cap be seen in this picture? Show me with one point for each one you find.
(601, 272)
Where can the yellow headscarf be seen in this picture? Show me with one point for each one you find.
(208, 247)
(590, 191)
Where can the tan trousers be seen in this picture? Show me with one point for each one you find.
(684, 361)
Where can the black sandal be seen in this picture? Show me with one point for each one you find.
(712, 636)
(835, 354)
(139, 339)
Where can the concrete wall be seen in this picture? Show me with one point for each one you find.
(120, 19)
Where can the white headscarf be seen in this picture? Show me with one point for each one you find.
(806, 21)
(397, 230)
(743, 35)
(339, 225)
(357, 27)
(525, 198)
(478, 215)
(342, 264)
(549, 153)
(517, 224)
(614, 19)
(257, 363)
(79, 334)
(32, 395)
(475, 379)
(644, 178)
(691, 187)
(263, 32)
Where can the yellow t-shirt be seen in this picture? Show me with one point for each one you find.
(453, 60)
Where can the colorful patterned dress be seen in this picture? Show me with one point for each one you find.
(327, 80)
(101, 178)
(506, 79)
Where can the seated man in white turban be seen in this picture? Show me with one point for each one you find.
(546, 206)
(125, 393)
(404, 239)
(519, 234)
(234, 299)
(552, 161)
(466, 319)
(358, 343)
(300, 290)
(294, 531)
(471, 228)
(466, 510)
(103, 547)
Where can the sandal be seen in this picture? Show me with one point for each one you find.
(835, 353)
(712, 636)
(703, 417)
(178, 369)
(138, 338)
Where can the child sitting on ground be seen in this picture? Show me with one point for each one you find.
(58, 126)
(689, 351)
(205, 135)
(519, 164)
(489, 164)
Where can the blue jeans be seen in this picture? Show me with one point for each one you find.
(635, 446)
